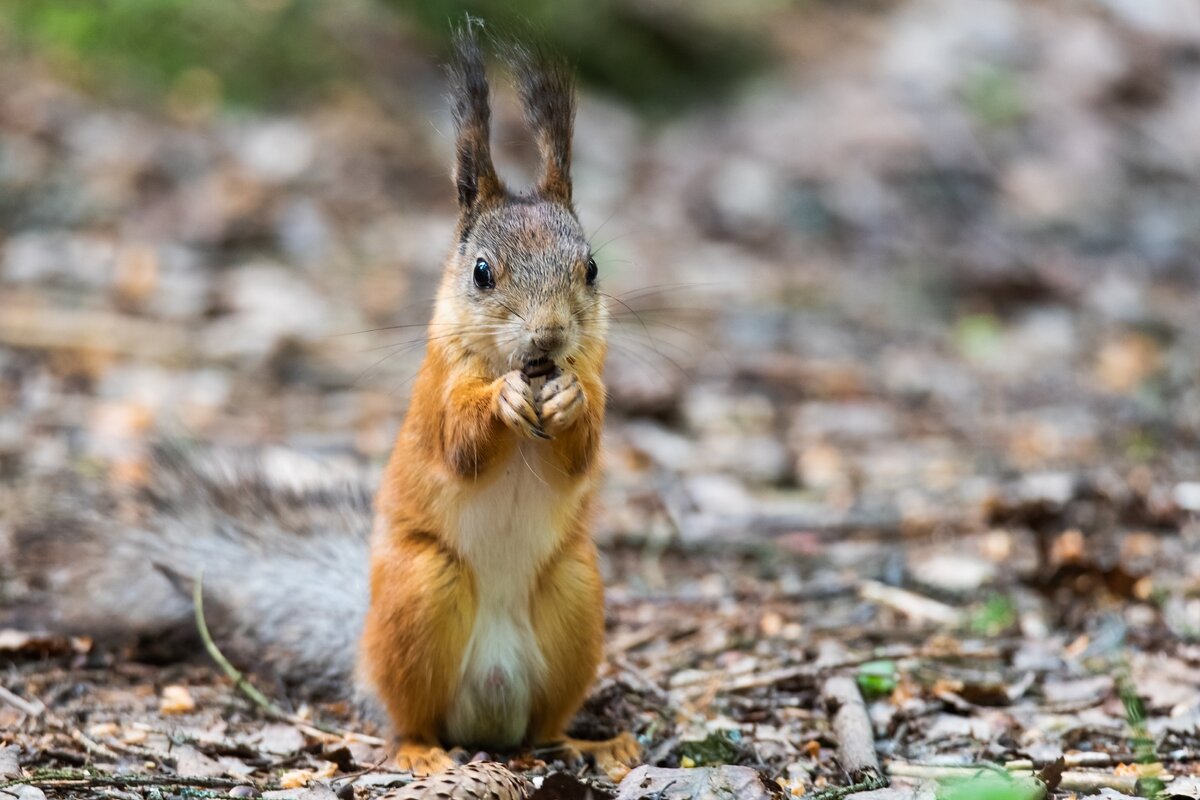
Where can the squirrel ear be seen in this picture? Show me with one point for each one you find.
(547, 88)
(474, 174)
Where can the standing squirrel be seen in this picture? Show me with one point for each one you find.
(480, 619)
(486, 621)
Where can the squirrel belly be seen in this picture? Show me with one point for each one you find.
(506, 530)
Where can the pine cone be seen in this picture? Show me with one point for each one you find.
(482, 780)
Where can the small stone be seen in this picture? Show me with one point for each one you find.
(276, 151)
(1187, 495)
(26, 792)
(10, 767)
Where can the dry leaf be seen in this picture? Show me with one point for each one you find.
(296, 778)
(103, 730)
(176, 700)
(707, 783)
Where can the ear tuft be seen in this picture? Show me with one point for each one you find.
(474, 174)
(547, 88)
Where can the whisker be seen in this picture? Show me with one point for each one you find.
(641, 358)
(597, 250)
(631, 341)
(529, 466)
(664, 287)
(594, 233)
(514, 313)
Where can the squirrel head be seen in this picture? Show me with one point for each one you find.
(520, 285)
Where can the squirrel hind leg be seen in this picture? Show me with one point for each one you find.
(422, 758)
(615, 756)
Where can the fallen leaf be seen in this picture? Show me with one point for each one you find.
(191, 762)
(176, 699)
(710, 783)
(40, 645)
(103, 730)
(296, 778)
(277, 739)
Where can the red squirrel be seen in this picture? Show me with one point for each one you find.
(486, 621)
(479, 621)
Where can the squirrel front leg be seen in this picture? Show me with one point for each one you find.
(572, 414)
(481, 419)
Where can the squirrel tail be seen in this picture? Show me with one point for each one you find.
(280, 541)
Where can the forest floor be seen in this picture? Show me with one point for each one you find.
(908, 406)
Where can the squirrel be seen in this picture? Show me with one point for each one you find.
(468, 606)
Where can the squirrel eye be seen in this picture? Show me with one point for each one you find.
(483, 274)
(592, 270)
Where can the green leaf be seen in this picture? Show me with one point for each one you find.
(877, 678)
(991, 785)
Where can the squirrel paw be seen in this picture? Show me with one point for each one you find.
(422, 759)
(561, 401)
(615, 756)
(514, 404)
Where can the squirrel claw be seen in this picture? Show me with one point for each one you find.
(514, 404)
(561, 401)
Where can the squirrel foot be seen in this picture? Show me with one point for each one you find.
(422, 759)
(615, 756)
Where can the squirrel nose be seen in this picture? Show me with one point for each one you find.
(547, 338)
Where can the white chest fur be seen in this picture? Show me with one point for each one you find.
(506, 531)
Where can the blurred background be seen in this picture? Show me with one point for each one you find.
(905, 340)
(880, 264)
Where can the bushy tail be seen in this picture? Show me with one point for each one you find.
(281, 542)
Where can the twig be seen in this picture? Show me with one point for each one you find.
(915, 606)
(74, 778)
(261, 700)
(376, 767)
(36, 708)
(838, 792)
(852, 729)
(93, 747)
(30, 708)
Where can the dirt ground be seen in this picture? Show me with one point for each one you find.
(904, 388)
